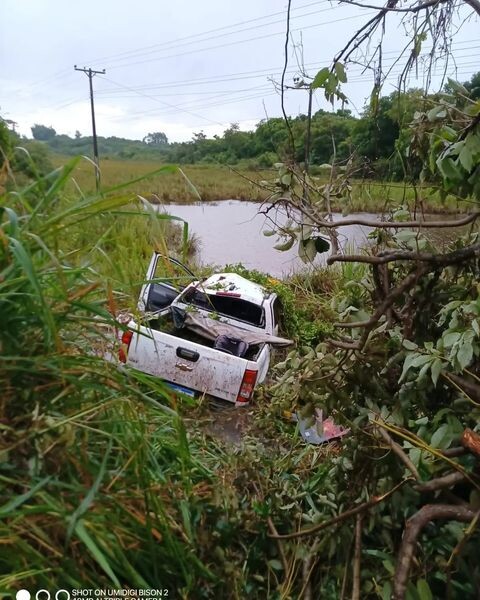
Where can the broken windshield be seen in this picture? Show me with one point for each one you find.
(228, 306)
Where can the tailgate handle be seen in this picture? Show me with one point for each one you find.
(187, 354)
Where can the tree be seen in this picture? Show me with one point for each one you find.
(156, 139)
(473, 86)
(402, 367)
(43, 133)
(5, 143)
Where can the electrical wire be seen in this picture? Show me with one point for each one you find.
(196, 35)
(243, 41)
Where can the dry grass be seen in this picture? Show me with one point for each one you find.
(211, 182)
(216, 182)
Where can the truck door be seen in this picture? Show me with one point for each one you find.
(166, 278)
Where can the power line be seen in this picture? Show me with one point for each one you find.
(256, 74)
(196, 35)
(163, 102)
(216, 37)
(240, 75)
(244, 41)
(235, 100)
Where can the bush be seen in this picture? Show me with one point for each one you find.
(32, 159)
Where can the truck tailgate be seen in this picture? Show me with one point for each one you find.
(187, 363)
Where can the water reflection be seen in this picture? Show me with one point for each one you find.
(231, 231)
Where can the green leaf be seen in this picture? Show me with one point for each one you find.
(409, 345)
(407, 365)
(420, 360)
(16, 502)
(423, 590)
(275, 564)
(437, 112)
(448, 169)
(320, 78)
(437, 366)
(286, 245)
(458, 87)
(465, 158)
(307, 250)
(439, 436)
(96, 553)
(476, 327)
(340, 71)
(387, 591)
(465, 355)
(89, 498)
(269, 232)
(450, 338)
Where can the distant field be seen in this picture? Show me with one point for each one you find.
(211, 182)
(214, 182)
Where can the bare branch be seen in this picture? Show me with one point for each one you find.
(395, 293)
(282, 89)
(357, 556)
(454, 452)
(414, 526)
(345, 515)
(440, 483)
(475, 4)
(403, 224)
(412, 9)
(273, 531)
(398, 450)
(435, 260)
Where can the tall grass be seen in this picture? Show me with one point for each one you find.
(90, 454)
(215, 182)
(101, 485)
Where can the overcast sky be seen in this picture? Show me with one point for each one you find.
(184, 66)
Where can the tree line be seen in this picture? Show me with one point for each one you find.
(376, 141)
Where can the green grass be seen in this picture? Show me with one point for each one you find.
(102, 483)
(215, 182)
(211, 182)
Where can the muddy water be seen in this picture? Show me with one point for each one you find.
(231, 231)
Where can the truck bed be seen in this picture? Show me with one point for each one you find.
(164, 322)
(182, 357)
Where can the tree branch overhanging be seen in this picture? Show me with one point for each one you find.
(413, 528)
(413, 9)
(434, 260)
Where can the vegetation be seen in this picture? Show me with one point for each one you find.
(109, 480)
(376, 140)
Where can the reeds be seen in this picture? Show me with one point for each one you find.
(91, 457)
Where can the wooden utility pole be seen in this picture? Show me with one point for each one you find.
(302, 85)
(90, 73)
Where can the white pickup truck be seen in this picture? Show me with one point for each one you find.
(211, 337)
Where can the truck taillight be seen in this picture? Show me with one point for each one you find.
(248, 384)
(126, 339)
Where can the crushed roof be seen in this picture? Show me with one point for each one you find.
(236, 284)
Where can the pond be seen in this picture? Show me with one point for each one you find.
(231, 231)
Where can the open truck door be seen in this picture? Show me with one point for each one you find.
(166, 278)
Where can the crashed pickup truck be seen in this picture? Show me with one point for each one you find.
(212, 337)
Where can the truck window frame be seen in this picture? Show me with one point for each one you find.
(210, 306)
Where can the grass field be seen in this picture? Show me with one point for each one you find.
(216, 182)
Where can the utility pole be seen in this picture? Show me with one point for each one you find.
(303, 85)
(309, 129)
(90, 73)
